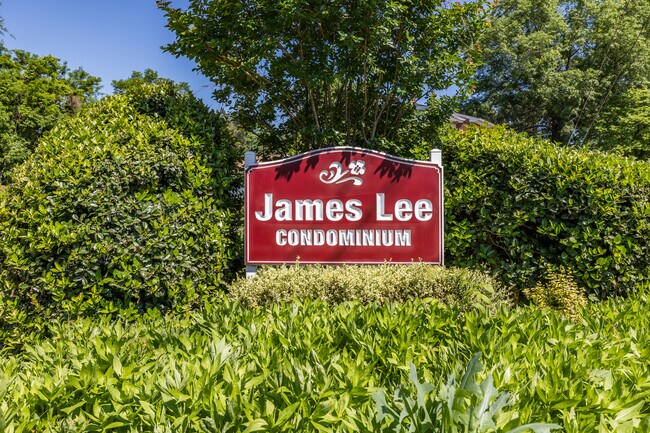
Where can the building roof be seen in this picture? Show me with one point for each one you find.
(459, 121)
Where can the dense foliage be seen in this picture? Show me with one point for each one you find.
(518, 205)
(148, 76)
(461, 404)
(304, 75)
(626, 128)
(35, 92)
(114, 207)
(176, 104)
(314, 367)
(560, 292)
(119, 223)
(562, 69)
(369, 284)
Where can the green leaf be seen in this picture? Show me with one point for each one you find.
(630, 412)
(468, 383)
(149, 409)
(68, 410)
(286, 413)
(255, 425)
(536, 428)
(116, 424)
(117, 365)
(422, 388)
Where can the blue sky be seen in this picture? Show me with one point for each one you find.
(107, 38)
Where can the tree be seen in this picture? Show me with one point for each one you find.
(553, 68)
(305, 74)
(149, 76)
(625, 127)
(35, 92)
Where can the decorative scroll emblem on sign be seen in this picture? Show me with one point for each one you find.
(336, 174)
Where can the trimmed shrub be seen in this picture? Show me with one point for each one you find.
(113, 208)
(188, 115)
(516, 205)
(559, 292)
(180, 109)
(368, 284)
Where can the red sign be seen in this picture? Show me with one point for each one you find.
(344, 205)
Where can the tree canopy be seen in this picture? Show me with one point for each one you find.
(625, 126)
(148, 76)
(557, 68)
(306, 74)
(35, 91)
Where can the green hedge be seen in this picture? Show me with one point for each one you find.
(113, 207)
(519, 205)
(369, 284)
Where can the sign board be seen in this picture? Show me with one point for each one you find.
(343, 205)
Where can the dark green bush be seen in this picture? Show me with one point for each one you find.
(181, 110)
(113, 208)
(517, 206)
(188, 115)
(369, 284)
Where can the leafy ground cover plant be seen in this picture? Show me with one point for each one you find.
(313, 367)
(452, 407)
(369, 284)
(516, 205)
